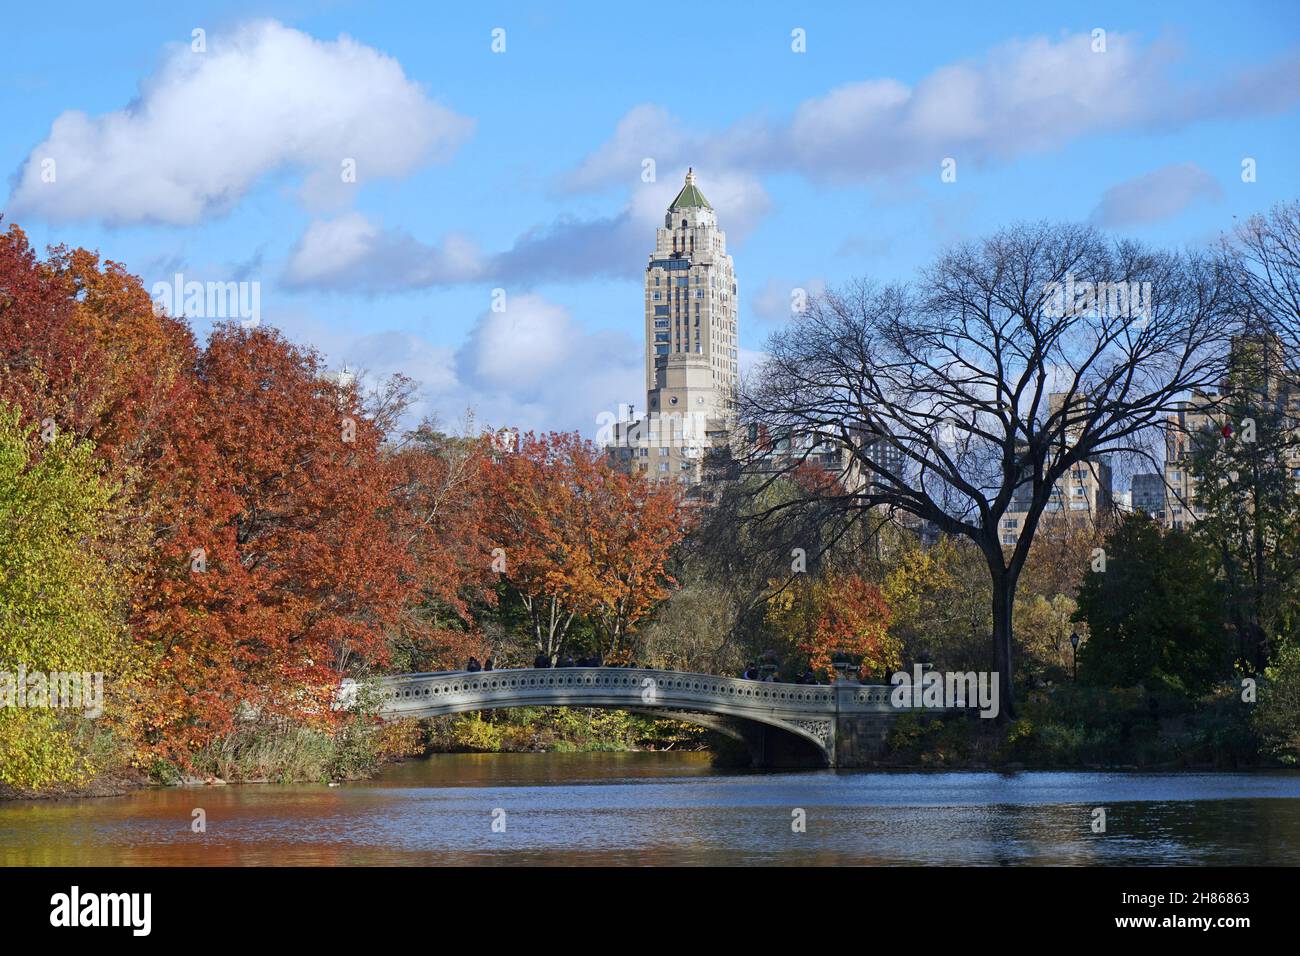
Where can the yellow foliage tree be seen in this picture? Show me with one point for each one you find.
(59, 601)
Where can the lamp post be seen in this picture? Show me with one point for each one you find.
(1074, 648)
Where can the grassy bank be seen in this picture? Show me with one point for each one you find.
(264, 751)
(285, 753)
(282, 752)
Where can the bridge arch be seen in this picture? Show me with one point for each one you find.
(759, 714)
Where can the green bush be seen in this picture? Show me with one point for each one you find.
(933, 741)
(1277, 715)
(1098, 726)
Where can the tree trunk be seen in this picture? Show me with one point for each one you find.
(1004, 600)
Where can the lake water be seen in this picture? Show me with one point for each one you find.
(674, 809)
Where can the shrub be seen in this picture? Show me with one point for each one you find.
(1277, 715)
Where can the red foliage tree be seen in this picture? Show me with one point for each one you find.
(271, 544)
(82, 347)
(287, 572)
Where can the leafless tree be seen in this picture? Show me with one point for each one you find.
(1263, 257)
(1009, 363)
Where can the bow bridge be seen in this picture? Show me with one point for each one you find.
(838, 725)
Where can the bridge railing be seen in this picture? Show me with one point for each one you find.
(625, 686)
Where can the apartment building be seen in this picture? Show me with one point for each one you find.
(1255, 372)
(1084, 493)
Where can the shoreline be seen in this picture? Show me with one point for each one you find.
(121, 786)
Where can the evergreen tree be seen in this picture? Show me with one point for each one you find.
(1155, 614)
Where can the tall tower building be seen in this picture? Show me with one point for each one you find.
(691, 366)
(690, 312)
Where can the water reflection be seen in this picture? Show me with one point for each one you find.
(673, 808)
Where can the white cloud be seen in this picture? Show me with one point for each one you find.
(534, 367)
(1161, 194)
(385, 354)
(1023, 96)
(208, 126)
(521, 346)
(531, 367)
(353, 252)
(645, 132)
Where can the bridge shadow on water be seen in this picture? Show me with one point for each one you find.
(760, 747)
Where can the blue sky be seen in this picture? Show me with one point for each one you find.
(522, 170)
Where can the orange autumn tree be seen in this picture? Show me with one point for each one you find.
(438, 501)
(577, 537)
(632, 524)
(286, 572)
(835, 613)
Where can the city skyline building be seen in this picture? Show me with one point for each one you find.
(691, 347)
(691, 311)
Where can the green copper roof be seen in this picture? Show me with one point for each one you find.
(690, 195)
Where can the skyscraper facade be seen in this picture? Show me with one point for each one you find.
(691, 366)
(690, 311)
